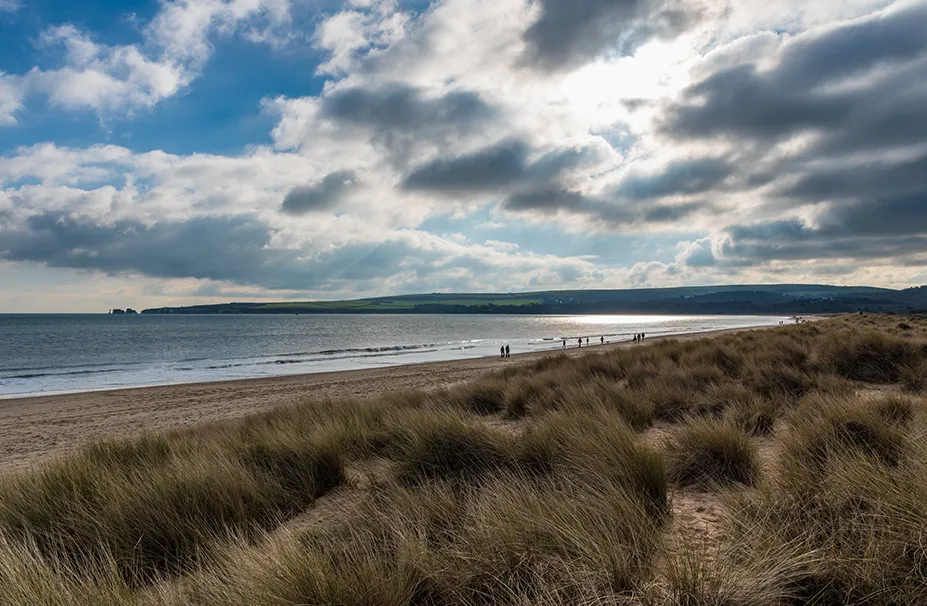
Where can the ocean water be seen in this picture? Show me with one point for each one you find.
(41, 354)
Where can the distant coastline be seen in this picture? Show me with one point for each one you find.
(776, 299)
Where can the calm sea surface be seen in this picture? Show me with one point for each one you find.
(66, 353)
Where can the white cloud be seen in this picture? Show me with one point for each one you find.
(11, 98)
(182, 28)
(123, 78)
(347, 33)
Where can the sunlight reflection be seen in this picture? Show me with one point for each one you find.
(627, 319)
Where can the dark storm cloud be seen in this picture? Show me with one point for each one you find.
(489, 169)
(682, 177)
(873, 228)
(741, 101)
(571, 32)
(499, 168)
(548, 200)
(872, 179)
(796, 95)
(235, 249)
(324, 195)
(402, 120)
(635, 200)
(794, 241)
(612, 211)
(670, 213)
(400, 107)
(884, 216)
(859, 91)
(854, 48)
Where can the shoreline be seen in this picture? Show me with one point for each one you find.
(36, 428)
(10, 397)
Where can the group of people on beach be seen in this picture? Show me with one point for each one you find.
(579, 342)
(505, 352)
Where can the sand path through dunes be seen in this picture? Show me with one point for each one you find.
(37, 428)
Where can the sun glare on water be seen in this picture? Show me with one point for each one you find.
(625, 319)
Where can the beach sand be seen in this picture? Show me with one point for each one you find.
(35, 429)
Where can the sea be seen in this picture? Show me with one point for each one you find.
(49, 354)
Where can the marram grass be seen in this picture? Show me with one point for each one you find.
(784, 466)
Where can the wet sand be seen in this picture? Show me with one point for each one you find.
(35, 429)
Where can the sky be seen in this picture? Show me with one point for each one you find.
(180, 152)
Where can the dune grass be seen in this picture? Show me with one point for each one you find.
(557, 481)
(155, 506)
(708, 453)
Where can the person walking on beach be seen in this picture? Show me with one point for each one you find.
(602, 339)
(502, 352)
(506, 351)
(580, 341)
(564, 343)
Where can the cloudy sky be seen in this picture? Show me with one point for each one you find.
(194, 151)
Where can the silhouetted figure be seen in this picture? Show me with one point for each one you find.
(602, 339)
(506, 351)
(634, 340)
(580, 341)
(564, 343)
(587, 340)
(502, 352)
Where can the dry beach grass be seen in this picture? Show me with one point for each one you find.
(784, 466)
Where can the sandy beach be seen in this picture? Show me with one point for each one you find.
(35, 429)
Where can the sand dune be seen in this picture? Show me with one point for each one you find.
(36, 428)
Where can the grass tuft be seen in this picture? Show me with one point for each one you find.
(830, 427)
(872, 357)
(709, 453)
(453, 449)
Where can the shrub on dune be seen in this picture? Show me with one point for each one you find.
(717, 399)
(557, 361)
(513, 539)
(756, 416)
(536, 540)
(452, 449)
(28, 577)
(913, 375)
(594, 448)
(724, 357)
(484, 397)
(827, 427)
(871, 357)
(606, 397)
(707, 453)
(895, 409)
(158, 515)
(853, 537)
(525, 396)
(670, 398)
(780, 382)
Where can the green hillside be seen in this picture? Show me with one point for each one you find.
(736, 299)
